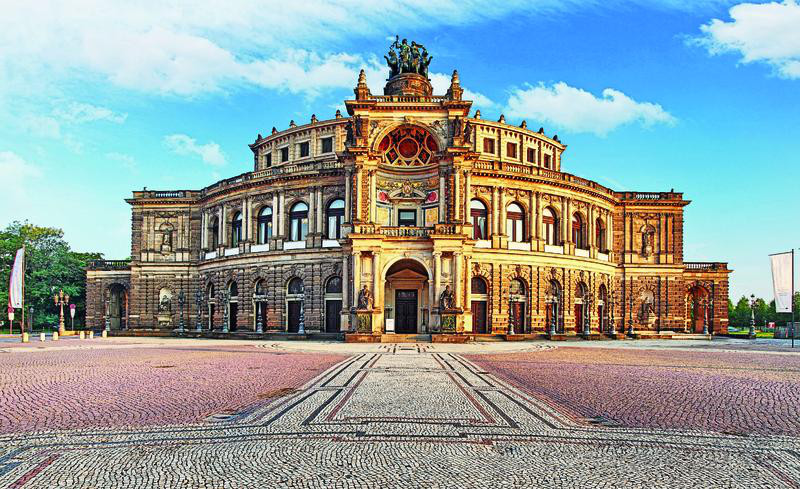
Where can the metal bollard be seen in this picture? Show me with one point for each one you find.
(25, 337)
(91, 335)
(41, 336)
(55, 335)
(105, 334)
(83, 335)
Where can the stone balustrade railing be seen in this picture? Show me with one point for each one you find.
(703, 265)
(405, 231)
(109, 265)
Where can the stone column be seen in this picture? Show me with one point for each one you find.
(373, 190)
(442, 217)
(221, 235)
(437, 277)
(493, 212)
(457, 282)
(376, 280)
(535, 225)
(312, 211)
(280, 214)
(356, 276)
(203, 231)
(245, 219)
(456, 194)
(467, 194)
(357, 196)
(345, 284)
(501, 211)
(320, 212)
(348, 217)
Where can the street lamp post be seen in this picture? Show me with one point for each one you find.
(752, 333)
(587, 306)
(551, 303)
(704, 303)
(108, 317)
(225, 296)
(259, 319)
(610, 314)
(61, 299)
(630, 320)
(511, 317)
(198, 299)
(181, 303)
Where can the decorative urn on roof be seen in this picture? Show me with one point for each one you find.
(408, 65)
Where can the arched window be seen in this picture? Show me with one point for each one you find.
(264, 225)
(551, 226)
(334, 215)
(236, 229)
(298, 222)
(295, 286)
(477, 211)
(214, 233)
(600, 235)
(478, 286)
(233, 306)
(515, 223)
(479, 300)
(334, 285)
(581, 303)
(579, 231)
(233, 288)
(518, 296)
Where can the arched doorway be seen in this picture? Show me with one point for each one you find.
(554, 305)
(602, 307)
(518, 298)
(479, 300)
(233, 306)
(333, 304)
(117, 306)
(295, 298)
(697, 305)
(405, 296)
(581, 296)
(212, 305)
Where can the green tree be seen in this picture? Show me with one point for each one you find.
(50, 265)
(739, 316)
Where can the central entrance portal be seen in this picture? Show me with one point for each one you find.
(406, 305)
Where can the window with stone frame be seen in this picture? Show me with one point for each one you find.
(298, 222)
(479, 216)
(550, 225)
(407, 217)
(284, 154)
(488, 145)
(214, 233)
(511, 150)
(264, 224)
(327, 145)
(267, 159)
(515, 223)
(531, 155)
(600, 235)
(547, 161)
(579, 231)
(334, 215)
(303, 149)
(236, 229)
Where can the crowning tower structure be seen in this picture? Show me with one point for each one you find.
(408, 215)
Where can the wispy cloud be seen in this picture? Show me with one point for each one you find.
(767, 33)
(184, 145)
(77, 112)
(125, 160)
(577, 110)
(16, 172)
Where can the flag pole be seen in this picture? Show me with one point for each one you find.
(23, 291)
(794, 323)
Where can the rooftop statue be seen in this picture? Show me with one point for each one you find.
(407, 58)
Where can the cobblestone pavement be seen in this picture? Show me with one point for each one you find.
(81, 384)
(733, 392)
(398, 416)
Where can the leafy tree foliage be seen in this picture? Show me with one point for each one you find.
(739, 315)
(50, 265)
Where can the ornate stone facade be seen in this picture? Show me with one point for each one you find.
(451, 223)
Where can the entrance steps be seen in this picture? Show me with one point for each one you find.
(405, 338)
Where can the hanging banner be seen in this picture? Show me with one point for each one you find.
(15, 284)
(782, 280)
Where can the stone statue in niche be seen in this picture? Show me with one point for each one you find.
(165, 303)
(364, 298)
(166, 238)
(648, 235)
(446, 299)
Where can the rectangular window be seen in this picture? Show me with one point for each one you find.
(302, 148)
(488, 145)
(406, 218)
(327, 145)
(511, 150)
(284, 155)
(531, 155)
(547, 161)
(267, 160)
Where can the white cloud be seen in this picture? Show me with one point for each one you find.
(77, 112)
(184, 145)
(126, 160)
(577, 110)
(189, 48)
(768, 33)
(16, 172)
(441, 83)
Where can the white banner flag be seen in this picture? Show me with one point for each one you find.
(782, 281)
(15, 284)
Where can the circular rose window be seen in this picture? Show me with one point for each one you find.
(408, 146)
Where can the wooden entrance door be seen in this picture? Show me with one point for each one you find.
(233, 317)
(479, 317)
(518, 316)
(333, 316)
(294, 316)
(405, 302)
(579, 318)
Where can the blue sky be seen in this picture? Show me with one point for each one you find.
(100, 98)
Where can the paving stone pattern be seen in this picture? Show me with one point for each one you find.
(732, 392)
(396, 417)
